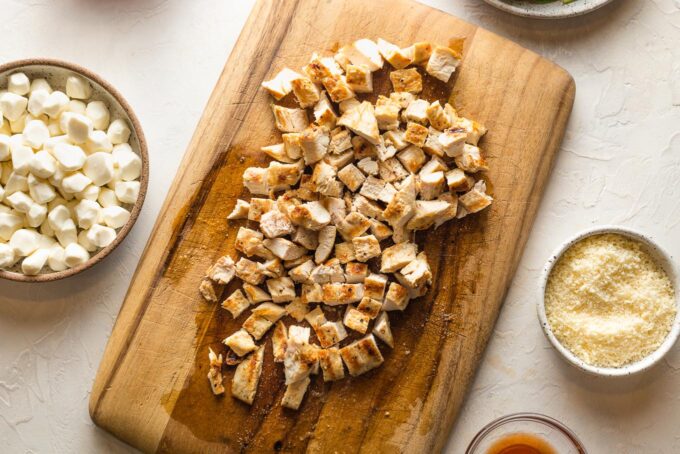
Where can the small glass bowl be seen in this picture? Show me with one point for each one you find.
(556, 434)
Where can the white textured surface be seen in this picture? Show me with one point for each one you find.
(620, 164)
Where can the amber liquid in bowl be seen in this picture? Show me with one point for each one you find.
(521, 443)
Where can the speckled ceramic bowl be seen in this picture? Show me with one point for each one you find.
(56, 72)
(661, 257)
(551, 10)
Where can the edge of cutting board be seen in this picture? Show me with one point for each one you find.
(143, 421)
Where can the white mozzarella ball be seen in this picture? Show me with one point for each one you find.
(4, 147)
(99, 167)
(22, 156)
(99, 114)
(16, 182)
(40, 190)
(85, 242)
(19, 124)
(40, 85)
(70, 157)
(51, 143)
(43, 164)
(129, 162)
(55, 260)
(20, 202)
(10, 223)
(78, 128)
(18, 83)
(46, 229)
(55, 104)
(78, 88)
(25, 241)
(12, 106)
(68, 234)
(115, 179)
(127, 191)
(35, 134)
(54, 127)
(55, 203)
(76, 106)
(35, 262)
(36, 215)
(87, 213)
(89, 193)
(7, 256)
(75, 254)
(66, 195)
(59, 215)
(36, 102)
(98, 141)
(76, 182)
(100, 235)
(118, 132)
(115, 216)
(107, 198)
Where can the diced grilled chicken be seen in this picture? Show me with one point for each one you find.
(412, 158)
(387, 115)
(275, 224)
(335, 293)
(278, 152)
(341, 141)
(402, 206)
(249, 271)
(416, 134)
(257, 325)
(294, 394)
(250, 242)
(330, 333)
(324, 113)
(370, 307)
(476, 199)
(291, 145)
(331, 271)
(398, 256)
(279, 341)
(362, 356)
(215, 372)
(247, 377)
(255, 294)
(353, 225)
(300, 357)
(458, 181)
(432, 145)
(281, 289)
(331, 364)
(348, 104)
(355, 273)
(352, 177)
(306, 93)
(361, 121)
(240, 210)
(283, 176)
(314, 142)
(336, 207)
(326, 242)
(337, 88)
(399, 58)
(309, 239)
(284, 249)
(356, 320)
(377, 189)
(310, 215)
(384, 150)
(290, 120)
(240, 342)
(380, 230)
(366, 247)
(396, 299)
(344, 252)
(473, 129)
(452, 142)
(452, 199)
(368, 166)
(298, 309)
(421, 52)
(395, 138)
(442, 63)
(359, 78)
(255, 180)
(236, 303)
(321, 67)
(417, 273)
(408, 80)
(302, 273)
(207, 290)
(392, 171)
(281, 84)
(471, 160)
(222, 271)
(382, 329)
(427, 213)
(438, 117)
(363, 52)
(417, 112)
(431, 185)
(367, 207)
(258, 207)
(270, 311)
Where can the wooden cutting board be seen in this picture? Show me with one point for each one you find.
(151, 389)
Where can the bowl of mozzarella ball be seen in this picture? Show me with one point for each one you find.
(73, 169)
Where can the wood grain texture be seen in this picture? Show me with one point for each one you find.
(151, 389)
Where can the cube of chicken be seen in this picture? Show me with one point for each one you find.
(335, 293)
(257, 325)
(473, 129)
(311, 293)
(338, 161)
(249, 271)
(331, 271)
(282, 176)
(240, 210)
(269, 311)
(294, 394)
(306, 93)
(300, 357)
(362, 148)
(222, 271)
(374, 286)
(412, 158)
(368, 166)
(250, 242)
(302, 273)
(402, 206)
(396, 299)
(323, 177)
(284, 249)
(359, 79)
(452, 142)
(370, 307)
(442, 63)
(363, 52)
(298, 309)
(420, 52)
(384, 150)
(279, 341)
(398, 256)
(356, 320)
(314, 142)
(236, 303)
(255, 179)
(417, 112)
(353, 225)
(361, 121)
(326, 242)
(458, 181)
(336, 207)
(330, 333)
(408, 80)
(366, 247)
(382, 329)
(310, 215)
(362, 356)
(352, 177)
(471, 160)
(387, 115)
(290, 120)
(438, 117)
(344, 252)
(417, 273)
(432, 145)
(341, 141)
(399, 58)
(431, 185)
(215, 372)
(272, 268)
(427, 213)
(278, 152)
(247, 377)
(476, 199)
(380, 230)
(281, 84)
(395, 139)
(281, 289)
(366, 207)
(291, 145)
(309, 239)
(240, 342)
(258, 207)
(355, 273)
(275, 223)
(321, 67)
(392, 171)
(338, 88)
(452, 200)
(348, 104)
(207, 290)
(416, 134)
(331, 364)
(324, 114)
(377, 189)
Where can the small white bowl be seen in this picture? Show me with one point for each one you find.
(661, 257)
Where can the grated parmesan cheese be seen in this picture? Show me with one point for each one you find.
(608, 301)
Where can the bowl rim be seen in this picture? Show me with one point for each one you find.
(540, 11)
(663, 259)
(525, 416)
(143, 179)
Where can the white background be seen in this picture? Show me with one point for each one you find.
(620, 163)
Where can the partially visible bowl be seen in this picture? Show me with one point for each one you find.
(660, 256)
(550, 10)
(56, 71)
